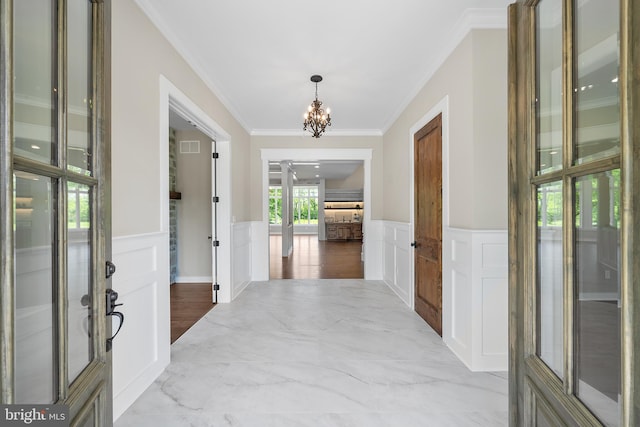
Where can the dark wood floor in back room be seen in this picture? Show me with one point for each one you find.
(316, 259)
(189, 302)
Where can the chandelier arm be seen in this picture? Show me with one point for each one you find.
(316, 120)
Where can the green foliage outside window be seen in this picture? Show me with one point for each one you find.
(275, 205)
(550, 199)
(78, 212)
(305, 205)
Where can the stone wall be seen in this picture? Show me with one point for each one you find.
(173, 209)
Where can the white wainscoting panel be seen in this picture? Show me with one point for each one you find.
(372, 248)
(475, 297)
(397, 259)
(141, 351)
(456, 291)
(260, 251)
(241, 275)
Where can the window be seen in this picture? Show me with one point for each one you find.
(78, 202)
(305, 205)
(275, 205)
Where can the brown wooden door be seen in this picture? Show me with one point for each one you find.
(428, 223)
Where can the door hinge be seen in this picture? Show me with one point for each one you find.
(215, 155)
(216, 287)
(216, 243)
(215, 199)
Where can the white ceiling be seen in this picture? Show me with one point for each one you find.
(257, 56)
(315, 170)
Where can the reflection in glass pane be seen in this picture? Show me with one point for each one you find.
(79, 279)
(35, 110)
(79, 91)
(34, 272)
(549, 85)
(597, 100)
(597, 305)
(550, 277)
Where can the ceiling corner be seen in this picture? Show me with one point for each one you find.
(147, 8)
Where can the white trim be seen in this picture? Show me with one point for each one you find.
(241, 267)
(470, 19)
(182, 50)
(475, 297)
(442, 107)
(141, 351)
(194, 279)
(260, 241)
(172, 98)
(328, 134)
(261, 268)
(397, 258)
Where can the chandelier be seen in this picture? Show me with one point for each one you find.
(315, 120)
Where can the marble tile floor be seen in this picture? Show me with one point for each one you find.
(327, 353)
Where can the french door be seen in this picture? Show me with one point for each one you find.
(54, 207)
(574, 197)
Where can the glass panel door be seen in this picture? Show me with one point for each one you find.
(550, 276)
(597, 297)
(54, 328)
(79, 277)
(567, 212)
(36, 253)
(597, 101)
(35, 65)
(574, 92)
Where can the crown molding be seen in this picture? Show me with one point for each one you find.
(328, 133)
(471, 19)
(165, 29)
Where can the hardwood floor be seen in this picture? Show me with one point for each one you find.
(189, 302)
(315, 259)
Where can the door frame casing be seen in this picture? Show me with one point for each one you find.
(173, 98)
(441, 107)
(261, 246)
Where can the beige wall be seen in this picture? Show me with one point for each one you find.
(140, 54)
(194, 209)
(301, 142)
(474, 79)
(353, 182)
(490, 129)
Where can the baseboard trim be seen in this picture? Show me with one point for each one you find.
(194, 279)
